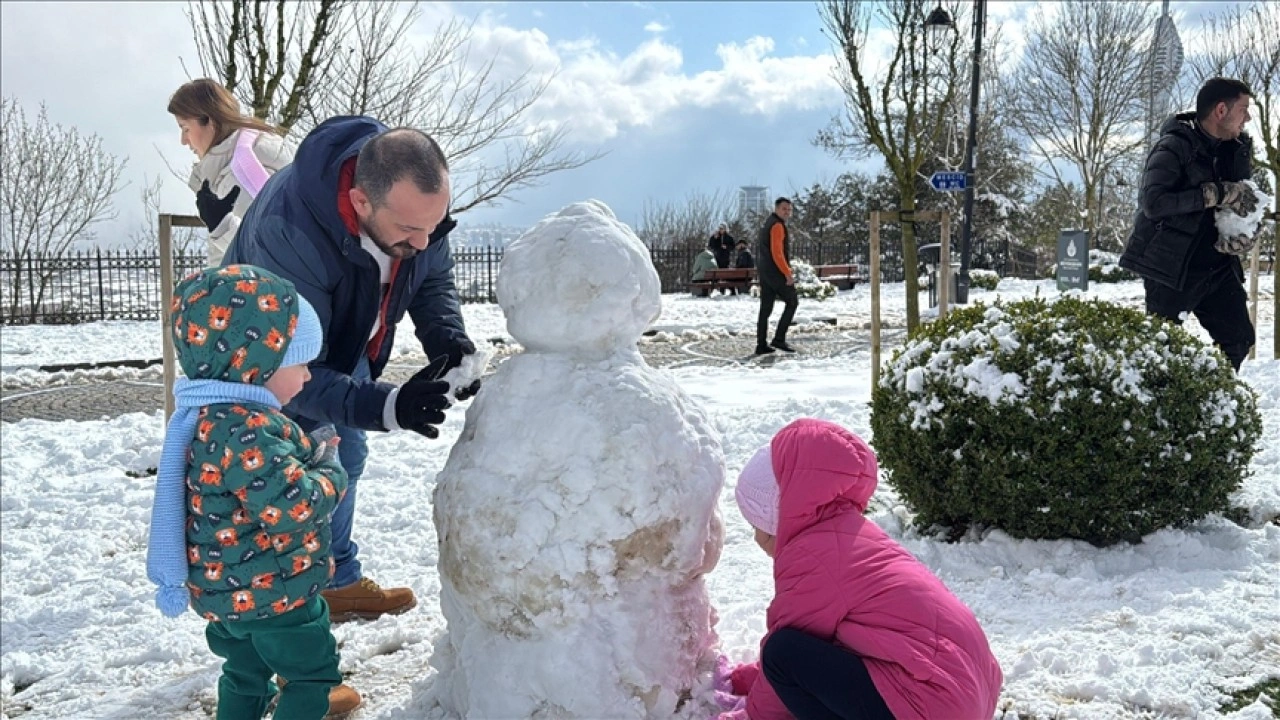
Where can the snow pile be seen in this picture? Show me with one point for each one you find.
(471, 369)
(577, 513)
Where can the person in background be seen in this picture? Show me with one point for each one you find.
(1195, 170)
(858, 628)
(235, 153)
(773, 248)
(721, 244)
(743, 259)
(704, 261)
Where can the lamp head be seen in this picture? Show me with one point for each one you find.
(939, 22)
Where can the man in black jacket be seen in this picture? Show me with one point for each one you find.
(721, 243)
(773, 251)
(1195, 168)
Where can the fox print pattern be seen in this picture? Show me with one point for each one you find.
(258, 520)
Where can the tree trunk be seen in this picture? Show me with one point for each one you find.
(911, 277)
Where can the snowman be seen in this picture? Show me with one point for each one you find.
(577, 514)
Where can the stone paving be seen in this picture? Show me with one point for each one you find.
(98, 400)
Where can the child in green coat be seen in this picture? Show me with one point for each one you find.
(240, 526)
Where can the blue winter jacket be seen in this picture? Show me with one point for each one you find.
(294, 229)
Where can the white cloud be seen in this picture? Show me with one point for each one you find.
(654, 26)
(600, 93)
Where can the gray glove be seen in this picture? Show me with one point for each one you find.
(324, 444)
(1244, 203)
(1228, 194)
(1239, 245)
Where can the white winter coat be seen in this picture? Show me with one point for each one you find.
(270, 149)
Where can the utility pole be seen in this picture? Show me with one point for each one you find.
(966, 235)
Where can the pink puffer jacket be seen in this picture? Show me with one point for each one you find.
(839, 577)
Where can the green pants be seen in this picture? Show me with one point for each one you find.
(297, 646)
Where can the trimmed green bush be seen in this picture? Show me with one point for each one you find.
(1072, 419)
(807, 283)
(985, 279)
(1109, 274)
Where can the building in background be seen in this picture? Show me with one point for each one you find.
(1166, 63)
(494, 235)
(753, 200)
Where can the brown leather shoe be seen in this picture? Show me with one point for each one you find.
(343, 700)
(365, 600)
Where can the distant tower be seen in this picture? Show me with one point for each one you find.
(1166, 63)
(753, 199)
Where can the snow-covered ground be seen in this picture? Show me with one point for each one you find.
(1164, 629)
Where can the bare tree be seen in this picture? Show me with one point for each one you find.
(1241, 43)
(146, 238)
(307, 62)
(1003, 174)
(688, 223)
(1078, 94)
(57, 183)
(271, 54)
(896, 118)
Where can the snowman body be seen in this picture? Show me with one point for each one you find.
(577, 513)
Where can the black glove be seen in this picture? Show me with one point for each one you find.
(422, 400)
(213, 209)
(467, 392)
(456, 352)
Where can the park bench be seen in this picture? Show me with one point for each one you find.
(844, 277)
(723, 279)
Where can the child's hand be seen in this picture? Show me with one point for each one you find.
(738, 714)
(324, 442)
(327, 452)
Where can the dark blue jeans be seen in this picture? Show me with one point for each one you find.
(352, 453)
(817, 680)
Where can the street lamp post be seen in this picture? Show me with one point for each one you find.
(940, 20)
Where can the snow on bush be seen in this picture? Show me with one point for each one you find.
(807, 283)
(1073, 419)
(985, 279)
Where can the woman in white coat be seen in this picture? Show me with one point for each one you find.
(237, 153)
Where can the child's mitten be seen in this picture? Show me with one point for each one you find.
(743, 677)
(324, 444)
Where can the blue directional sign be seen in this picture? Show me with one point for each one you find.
(947, 181)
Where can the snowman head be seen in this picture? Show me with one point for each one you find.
(578, 281)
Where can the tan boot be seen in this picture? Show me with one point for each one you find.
(343, 700)
(365, 600)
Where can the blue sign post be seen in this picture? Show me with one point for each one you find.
(947, 181)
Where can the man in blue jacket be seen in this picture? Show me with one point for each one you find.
(358, 223)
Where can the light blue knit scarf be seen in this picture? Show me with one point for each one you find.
(167, 547)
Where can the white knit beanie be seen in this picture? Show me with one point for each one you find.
(757, 492)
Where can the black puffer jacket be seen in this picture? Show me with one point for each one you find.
(1174, 234)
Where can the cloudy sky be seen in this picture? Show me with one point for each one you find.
(677, 96)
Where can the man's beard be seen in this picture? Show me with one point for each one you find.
(401, 250)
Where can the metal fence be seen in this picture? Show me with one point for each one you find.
(78, 287)
(122, 285)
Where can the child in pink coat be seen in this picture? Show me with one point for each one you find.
(858, 628)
